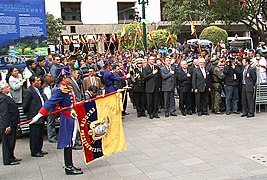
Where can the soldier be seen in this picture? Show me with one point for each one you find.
(139, 88)
(216, 87)
(64, 97)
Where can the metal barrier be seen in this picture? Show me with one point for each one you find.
(261, 95)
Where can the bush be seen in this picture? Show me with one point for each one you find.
(160, 38)
(214, 34)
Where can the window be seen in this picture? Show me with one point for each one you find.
(71, 11)
(126, 11)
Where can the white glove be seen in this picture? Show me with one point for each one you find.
(36, 118)
(128, 75)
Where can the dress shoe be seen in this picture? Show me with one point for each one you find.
(52, 141)
(77, 147)
(228, 113)
(236, 112)
(37, 155)
(205, 113)
(250, 116)
(173, 114)
(167, 114)
(72, 171)
(77, 168)
(156, 116)
(218, 112)
(144, 115)
(138, 115)
(199, 114)
(44, 152)
(151, 116)
(17, 159)
(189, 113)
(243, 115)
(13, 163)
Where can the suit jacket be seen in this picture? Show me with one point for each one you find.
(9, 115)
(139, 80)
(41, 72)
(198, 81)
(153, 81)
(87, 83)
(168, 79)
(77, 90)
(185, 83)
(32, 103)
(250, 78)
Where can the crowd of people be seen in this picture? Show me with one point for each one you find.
(201, 79)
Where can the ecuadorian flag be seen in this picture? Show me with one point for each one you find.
(101, 129)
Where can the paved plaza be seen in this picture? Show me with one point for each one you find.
(191, 147)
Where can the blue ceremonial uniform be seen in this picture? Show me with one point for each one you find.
(63, 96)
(109, 79)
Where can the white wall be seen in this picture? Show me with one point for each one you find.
(104, 11)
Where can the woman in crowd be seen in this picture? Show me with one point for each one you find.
(16, 84)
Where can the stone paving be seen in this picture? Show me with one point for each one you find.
(191, 147)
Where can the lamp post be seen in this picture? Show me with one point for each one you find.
(144, 2)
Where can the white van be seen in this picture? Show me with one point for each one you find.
(240, 42)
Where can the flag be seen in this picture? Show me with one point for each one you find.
(170, 39)
(138, 31)
(104, 37)
(243, 3)
(112, 38)
(87, 39)
(129, 35)
(150, 37)
(123, 32)
(93, 40)
(125, 37)
(82, 40)
(193, 28)
(101, 129)
(209, 2)
(66, 40)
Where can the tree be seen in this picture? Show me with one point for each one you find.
(54, 28)
(214, 34)
(160, 37)
(248, 12)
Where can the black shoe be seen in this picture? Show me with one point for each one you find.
(138, 115)
(236, 112)
(44, 152)
(52, 141)
(77, 147)
(228, 113)
(205, 113)
(72, 171)
(156, 116)
(13, 163)
(199, 114)
(167, 114)
(243, 115)
(189, 113)
(173, 114)
(17, 159)
(77, 168)
(37, 155)
(218, 112)
(184, 114)
(151, 116)
(250, 116)
(144, 115)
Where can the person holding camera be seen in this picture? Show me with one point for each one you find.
(232, 72)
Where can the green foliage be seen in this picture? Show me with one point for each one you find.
(214, 34)
(160, 38)
(54, 28)
(228, 11)
(128, 44)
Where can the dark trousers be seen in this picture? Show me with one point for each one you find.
(140, 98)
(248, 102)
(185, 101)
(8, 145)
(36, 138)
(231, 93)
(193, 102)
(124, 97)
(153, 103)
(202, 101)
(68, 157)
(169, 102)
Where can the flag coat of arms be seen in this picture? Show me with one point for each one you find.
(101, 129)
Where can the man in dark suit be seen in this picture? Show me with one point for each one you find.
(248, 88)
(32, 102)
(9, 119)
(168, 85)
(185, 86)
(152, 79)
(41, 70)
(201, 85)
(139, 87)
